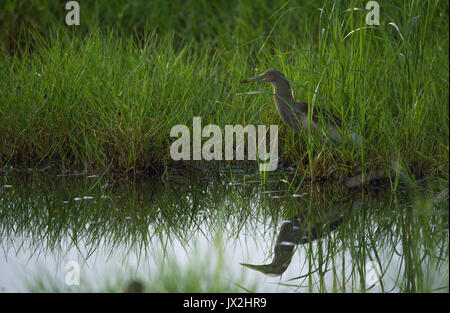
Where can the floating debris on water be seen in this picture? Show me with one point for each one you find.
(274, 191)
(287, 243)
(84, 198)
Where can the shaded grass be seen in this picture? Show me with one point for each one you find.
(106, 95)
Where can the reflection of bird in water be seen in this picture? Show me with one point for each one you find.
(295, 114)
(295, 232)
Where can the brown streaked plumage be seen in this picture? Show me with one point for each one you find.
(293, 113)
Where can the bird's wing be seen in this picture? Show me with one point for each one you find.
(301, 108)
(337, 122)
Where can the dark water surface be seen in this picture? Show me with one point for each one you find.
(193, 232)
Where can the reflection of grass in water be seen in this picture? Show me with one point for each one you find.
(132, 214)
(203, 273)
(408, 241)
(44, 281)
(405, 237)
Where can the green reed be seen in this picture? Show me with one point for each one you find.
(104, 96)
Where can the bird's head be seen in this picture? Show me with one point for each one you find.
(268, 76)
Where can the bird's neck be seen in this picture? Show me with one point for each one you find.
(283, 95)
(284, 102)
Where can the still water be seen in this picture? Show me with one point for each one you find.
(227, 231)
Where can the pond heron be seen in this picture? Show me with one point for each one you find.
(295, 114)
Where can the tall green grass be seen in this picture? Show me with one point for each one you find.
(104, 96)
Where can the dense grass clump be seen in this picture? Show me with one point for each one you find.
(106, 94)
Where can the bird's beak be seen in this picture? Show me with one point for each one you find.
(252, 79)
(266, 269)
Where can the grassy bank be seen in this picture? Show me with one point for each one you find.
(104, 96)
